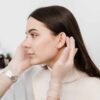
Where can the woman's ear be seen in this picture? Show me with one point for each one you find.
(61, 40)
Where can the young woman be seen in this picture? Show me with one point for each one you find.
(53, 38)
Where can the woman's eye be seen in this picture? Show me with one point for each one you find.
(34, 35)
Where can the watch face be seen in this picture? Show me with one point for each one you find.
(11, 76)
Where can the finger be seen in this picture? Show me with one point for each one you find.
(73, 50)
(72, 43)
(67, 41)
(76, 49)
(65, 52)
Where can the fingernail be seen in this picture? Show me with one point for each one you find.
(76, 49)
(71, 37)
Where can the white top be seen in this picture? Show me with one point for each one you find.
(34, 85)
(86, 88)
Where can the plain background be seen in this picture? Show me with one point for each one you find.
(14, 13)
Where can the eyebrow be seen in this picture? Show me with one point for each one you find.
(30, 30)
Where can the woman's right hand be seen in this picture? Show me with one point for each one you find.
(61, 67)
(66, 61)
(20, 61)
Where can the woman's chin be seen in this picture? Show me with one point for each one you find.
(35, 62)
(38, 62)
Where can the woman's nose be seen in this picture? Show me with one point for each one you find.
(26, 43)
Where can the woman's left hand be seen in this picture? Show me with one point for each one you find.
(20, 61)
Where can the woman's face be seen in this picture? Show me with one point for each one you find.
(40, 43)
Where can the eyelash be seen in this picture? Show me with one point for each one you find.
(34, 35)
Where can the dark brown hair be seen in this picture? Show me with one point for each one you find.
(60, 19)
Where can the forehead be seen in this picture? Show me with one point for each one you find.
(33, 23)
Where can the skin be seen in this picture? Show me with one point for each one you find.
(30, 52)
(39, 38)
(42, 46)
(56, 56)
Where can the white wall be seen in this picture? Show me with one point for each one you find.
(13, 15)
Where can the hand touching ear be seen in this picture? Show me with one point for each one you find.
(20, 61)
(65, 61)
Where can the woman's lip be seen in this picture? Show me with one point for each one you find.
(30, 54)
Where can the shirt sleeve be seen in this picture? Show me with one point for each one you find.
(22, 89)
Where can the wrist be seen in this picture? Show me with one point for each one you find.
(15, 69)
(54, 88)
(53, 98)
(56, 80)
(11, 75)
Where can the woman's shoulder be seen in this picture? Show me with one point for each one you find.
(92, 87)
(92, 81)
(91, 84)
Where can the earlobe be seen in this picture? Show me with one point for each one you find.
(61, 40)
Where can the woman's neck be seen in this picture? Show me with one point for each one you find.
(54, 60)
(72, 75)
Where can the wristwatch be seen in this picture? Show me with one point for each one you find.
(11, 75)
